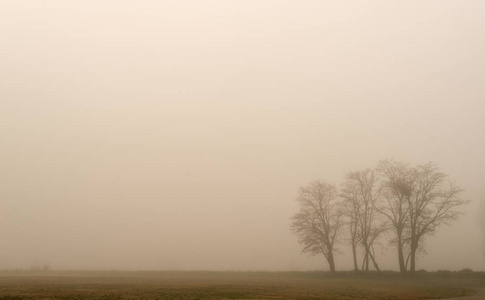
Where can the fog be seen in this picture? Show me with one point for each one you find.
(173, 135)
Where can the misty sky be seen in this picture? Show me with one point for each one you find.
(175, 134)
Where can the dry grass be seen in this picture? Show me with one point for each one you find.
(229, 285)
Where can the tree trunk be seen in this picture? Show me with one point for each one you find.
(365, 265)
(331, 262)
(414, 248)
(400, 252)
(365, 262)
(354, 253)
(413, 261)
(376, 266)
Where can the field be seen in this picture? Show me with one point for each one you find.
(233, 285)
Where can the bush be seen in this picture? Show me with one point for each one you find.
(40, 267)
(466, 271)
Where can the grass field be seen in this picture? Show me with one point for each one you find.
(232, 285)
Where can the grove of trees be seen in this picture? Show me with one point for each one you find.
(393, 204)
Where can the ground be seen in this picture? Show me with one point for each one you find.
(235, 285)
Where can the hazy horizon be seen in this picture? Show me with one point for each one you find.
(173, 135)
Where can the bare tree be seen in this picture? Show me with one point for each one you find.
(351, 210)
(418, 201)
(433, 202)
(319, 221)
(396, 190)
(361, 193)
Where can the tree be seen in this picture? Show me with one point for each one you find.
(351, 210)
(418, 201)
(396, 189)
(361, 194)
(319, 221)
(432, 203)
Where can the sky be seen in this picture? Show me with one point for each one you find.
(173, 135)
